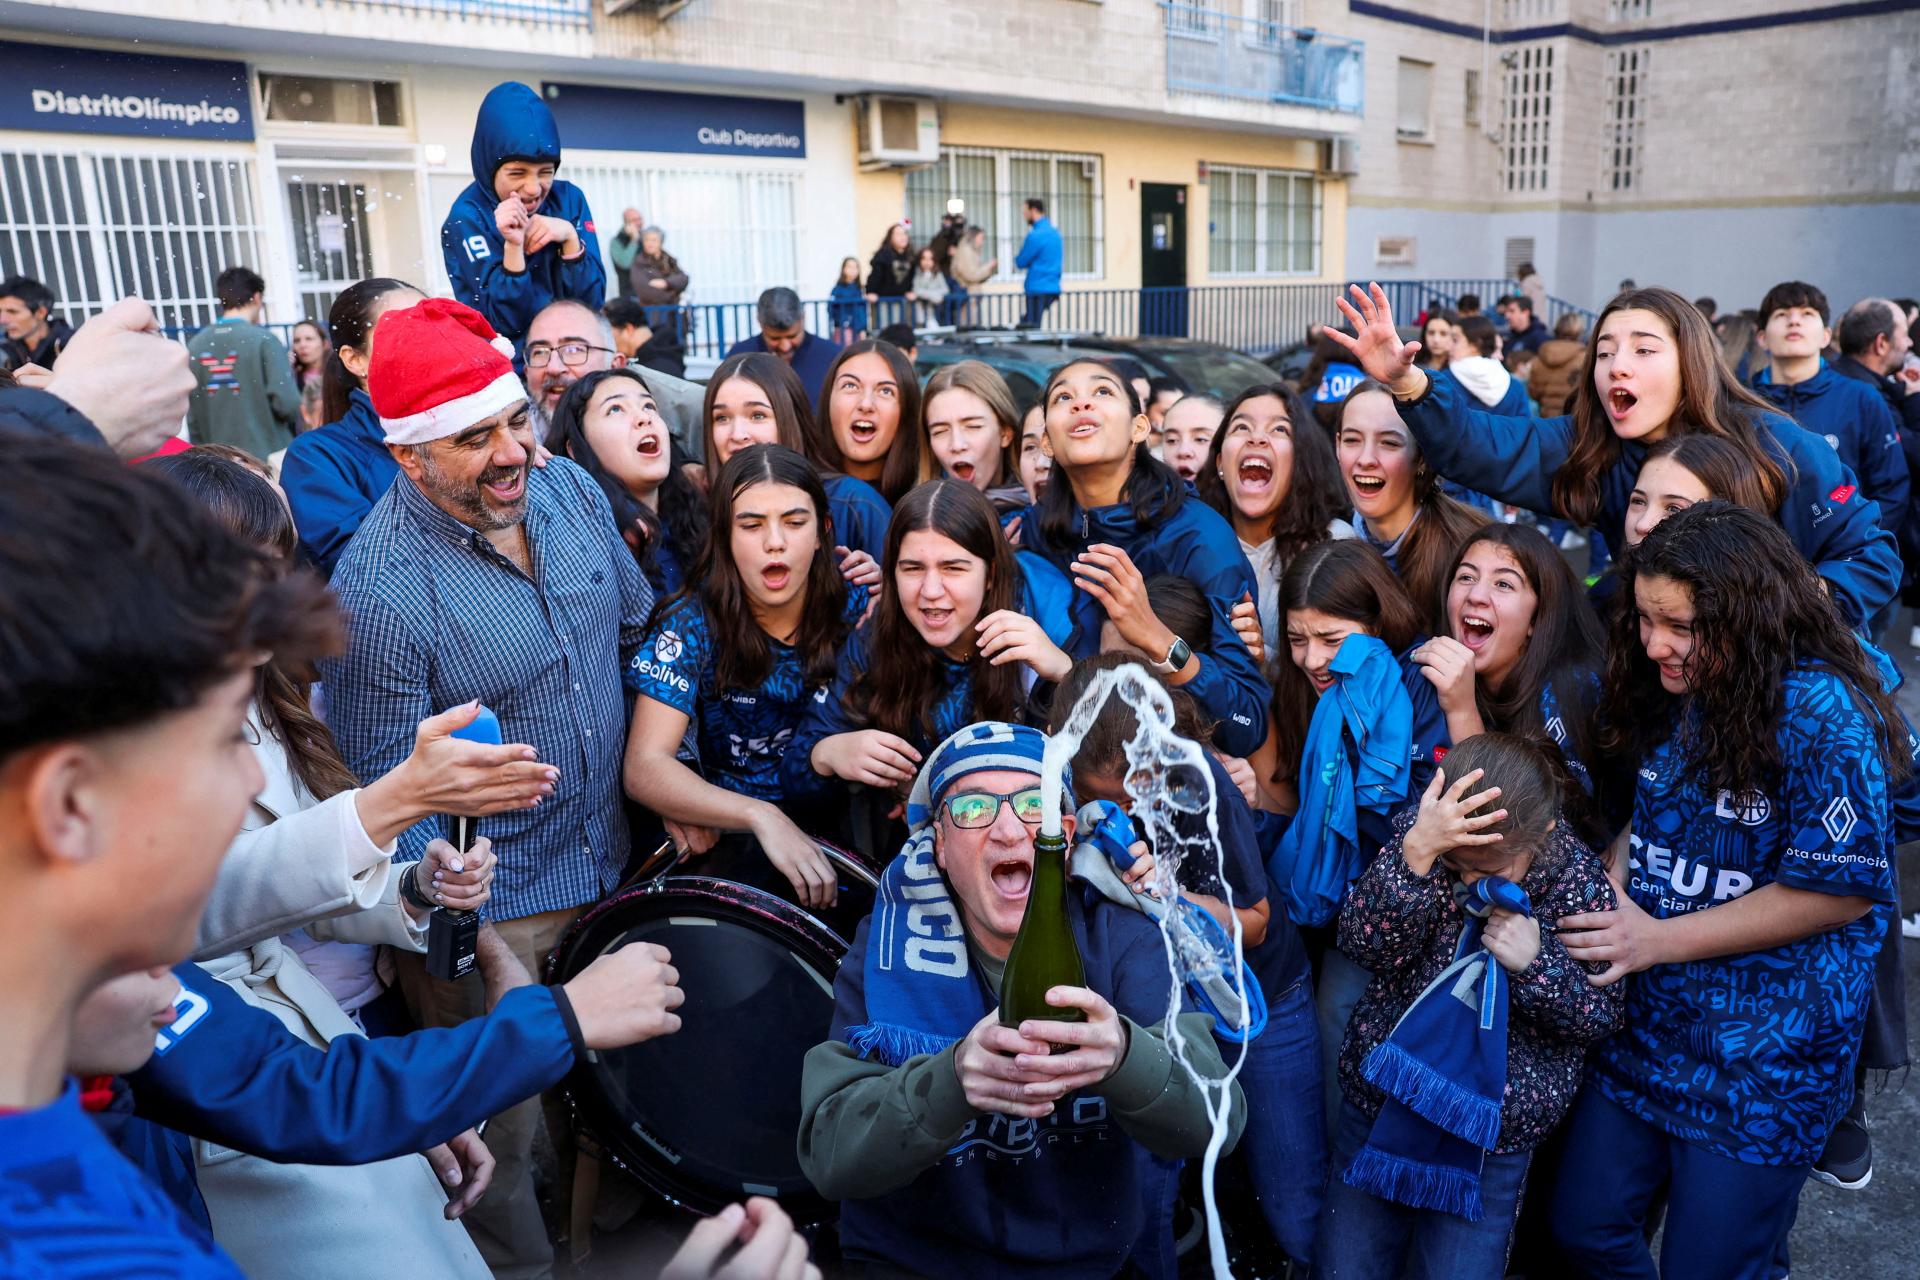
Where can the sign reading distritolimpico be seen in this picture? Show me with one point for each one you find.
(66, 90)
(600, 118)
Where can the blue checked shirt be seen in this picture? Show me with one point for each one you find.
(438, 618)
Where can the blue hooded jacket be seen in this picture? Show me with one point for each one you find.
(514, 123)
(1195, 543)
(333, 477)
(1856, 421)
(1041, 255)
(1514, 459)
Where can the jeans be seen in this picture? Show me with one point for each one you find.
(1037, 307)
(1363, 1237)
(1341, 984)
(1285, 1141)
(1724, 1218)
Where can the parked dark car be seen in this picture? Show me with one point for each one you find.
(1025, 360)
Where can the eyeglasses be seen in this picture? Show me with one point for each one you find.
(971, 810)
(572, 354)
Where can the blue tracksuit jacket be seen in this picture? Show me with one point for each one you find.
(1855, 420)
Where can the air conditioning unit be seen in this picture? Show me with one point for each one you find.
(1395, 251)
(897, 132)
(1340, 157)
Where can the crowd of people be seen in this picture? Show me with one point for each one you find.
(1570, 898)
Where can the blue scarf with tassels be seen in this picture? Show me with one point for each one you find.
(1319, 855)
(1444, 1070)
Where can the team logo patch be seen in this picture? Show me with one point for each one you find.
(1750, 808)
(1841, 494)
(1840, 820)
(587, 227)
(1439, 754)
(667, 646)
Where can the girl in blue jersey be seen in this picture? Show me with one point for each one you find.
(1757, 856)
(946, 646)
(739, 655)
(1113, 513)
(1398, 505)
(1271, 472)
(868, 424)
(757, 398)
(1332, 591)
(609, 424)
(1521, 653)
(1653, 370)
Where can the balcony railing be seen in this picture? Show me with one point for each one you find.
(544, 13)
(1215, 53)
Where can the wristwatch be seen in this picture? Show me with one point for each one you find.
(410, 889)
(1176, 658)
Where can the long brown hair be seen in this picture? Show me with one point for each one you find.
(350, 323)
(1722, 467)
(792, 416)
(1712, 402)
(247, 505)
(1440, 524)
(1315, 495)
(907, 463)
(743, 657)
(1347, 579)
(984, 381)
(902, 683)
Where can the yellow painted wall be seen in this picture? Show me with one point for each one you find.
(1131, 153)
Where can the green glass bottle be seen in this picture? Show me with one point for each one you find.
(1044, 954)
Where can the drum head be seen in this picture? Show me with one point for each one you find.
(711, 1114)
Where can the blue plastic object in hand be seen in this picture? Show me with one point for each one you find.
(485, 728)
(1111, 832)
(1481, 898)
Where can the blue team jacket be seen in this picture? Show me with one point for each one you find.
(1195, 543)
(333, 476)
(1855, 420)
(229, 1072)
(1041, 254)
(514, 123)
(1514, 459)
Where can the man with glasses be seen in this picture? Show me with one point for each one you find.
(958, 1146)
(569, 340)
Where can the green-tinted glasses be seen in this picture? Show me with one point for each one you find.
(973, 809)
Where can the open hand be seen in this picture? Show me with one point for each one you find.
(870, 756)
(465, 1167)
(796, 855)
(1449, 819)
(1108, 574)
(1375, 345)
(1626, 940)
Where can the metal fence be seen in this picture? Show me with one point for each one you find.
(1215, 53)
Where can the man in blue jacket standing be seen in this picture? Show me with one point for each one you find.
(1040, 256)
(1851, 416)
(517, 238)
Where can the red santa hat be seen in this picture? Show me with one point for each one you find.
(438, 369)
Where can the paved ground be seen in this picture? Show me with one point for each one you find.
(1872, 1234)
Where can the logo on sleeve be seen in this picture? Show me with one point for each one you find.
(1557, 730)
(1842, 493)
(1834, 441)
(1749, 808)
(667, 646)
(1439, 754)
(1840, 820)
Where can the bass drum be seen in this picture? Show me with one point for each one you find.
(710, 1114)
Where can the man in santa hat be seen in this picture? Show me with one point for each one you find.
(479, 575)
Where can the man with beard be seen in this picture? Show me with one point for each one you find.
(484, 577)
(569, 340)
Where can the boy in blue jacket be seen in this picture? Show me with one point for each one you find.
(518, 238)
(1851, 416)
(131, 630)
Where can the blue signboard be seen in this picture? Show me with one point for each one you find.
(597, 118)
(51, 87)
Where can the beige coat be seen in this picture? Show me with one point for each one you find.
(298, 862)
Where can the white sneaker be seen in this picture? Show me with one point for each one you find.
(1910, 927)
(1913, 638)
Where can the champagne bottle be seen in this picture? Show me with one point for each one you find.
(1044, 954)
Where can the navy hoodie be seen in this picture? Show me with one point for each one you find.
(1195, 543)
(514, 123)
(1514, 459)
(333, 476)
(1856, 421)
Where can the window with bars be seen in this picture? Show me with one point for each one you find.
(733, 231)
(1622, 143)
(1629, 10)
(94, 226)
(1526, 117)
(995, 183)
(1262, 222)
(1522, 12)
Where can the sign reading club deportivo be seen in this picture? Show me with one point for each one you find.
(51, 87)
(598, 118)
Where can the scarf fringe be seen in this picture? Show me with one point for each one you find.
(1466, 1115)
(894, 1045)
(1421, 1186)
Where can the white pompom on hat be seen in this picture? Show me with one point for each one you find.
(438, 369)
